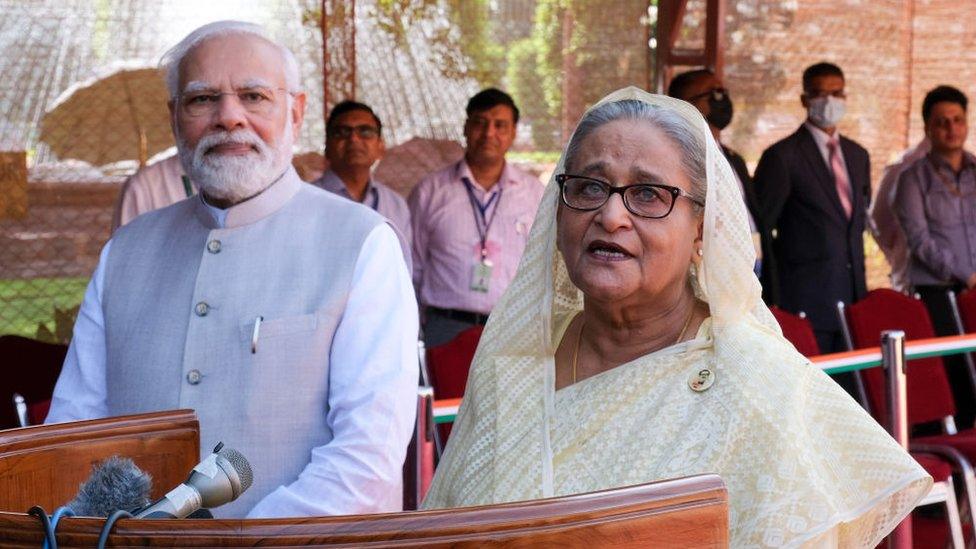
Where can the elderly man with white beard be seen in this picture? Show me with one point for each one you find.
(283, 314)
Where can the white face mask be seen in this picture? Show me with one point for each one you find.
(827, 111)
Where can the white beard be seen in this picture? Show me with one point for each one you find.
(235, 178)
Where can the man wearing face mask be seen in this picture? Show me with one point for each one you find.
(814, 190)
(703, 89)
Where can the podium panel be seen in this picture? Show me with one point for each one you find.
(45, 464)
(688, 512)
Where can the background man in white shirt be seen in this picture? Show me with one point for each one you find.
(283, 314)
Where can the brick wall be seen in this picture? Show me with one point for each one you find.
(892, 52)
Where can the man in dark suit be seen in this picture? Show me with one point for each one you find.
(703, 89)
(814, 188)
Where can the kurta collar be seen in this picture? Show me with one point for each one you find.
(331, 182)
(968, 161)
(463, 172)
(253, 209)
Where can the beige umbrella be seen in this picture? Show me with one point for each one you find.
(403, 166)
(120, 114)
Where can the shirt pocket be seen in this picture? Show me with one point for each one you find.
(942, 208)
(282, 326)
(289, 360)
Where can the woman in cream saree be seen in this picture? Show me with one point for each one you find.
(803, 463)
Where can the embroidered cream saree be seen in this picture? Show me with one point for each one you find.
(804, 464)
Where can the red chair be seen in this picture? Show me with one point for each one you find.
(927, 532)
(29, 368)
(797, 330)
(965, 304)
(448, 365)
(929, 395)
(963, 308)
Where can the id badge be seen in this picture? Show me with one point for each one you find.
(481, 276)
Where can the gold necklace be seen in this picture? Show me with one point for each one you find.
(579, 338)
(685, 327)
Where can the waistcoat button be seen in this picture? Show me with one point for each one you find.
(213, 246)
(202, 308)
(193, 377)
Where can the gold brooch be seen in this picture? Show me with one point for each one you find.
(701, 380)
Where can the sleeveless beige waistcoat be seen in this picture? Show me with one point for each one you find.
(181, 297)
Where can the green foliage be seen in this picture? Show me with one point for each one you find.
(522, 78)
(606, 49)
(547, 39)
(459, 34)
(28, 304)
(472, 18)
(64, 323)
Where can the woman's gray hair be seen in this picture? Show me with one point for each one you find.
(171, 60)
(671, 123)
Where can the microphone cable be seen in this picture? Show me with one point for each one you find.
(109, 523)
(49, 539)
(59, 513)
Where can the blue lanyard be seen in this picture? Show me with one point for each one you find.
(480, 212)
(376, 198)
(187, 188)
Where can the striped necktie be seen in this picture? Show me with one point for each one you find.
(841, 183)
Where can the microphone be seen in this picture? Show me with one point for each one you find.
(220, 478)
(116, 483)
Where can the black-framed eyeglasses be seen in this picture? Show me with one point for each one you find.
(717, 93)
(648, 200)
(345, 132)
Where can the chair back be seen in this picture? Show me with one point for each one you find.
(687, 512)
(45, 464)
(966, 301)
(30, 368)
(929, 394)
(797, 330)
(449, 365)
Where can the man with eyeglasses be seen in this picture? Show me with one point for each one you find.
(353, 144)
(814, 190)
(471, 221)
(282, 314)
(703, 89)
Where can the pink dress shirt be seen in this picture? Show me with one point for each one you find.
(447, 243)
(156, 186)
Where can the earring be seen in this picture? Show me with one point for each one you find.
(700, 252)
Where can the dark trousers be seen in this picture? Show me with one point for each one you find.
(957, 370)
(438, 330)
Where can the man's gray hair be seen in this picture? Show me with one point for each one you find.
(172, 59)
(671, 123)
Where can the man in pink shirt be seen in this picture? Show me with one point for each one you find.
(152, 187)
(471, 221)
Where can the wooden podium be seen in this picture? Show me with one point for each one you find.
(45, 464)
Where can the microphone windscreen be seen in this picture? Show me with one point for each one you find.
(116, 483)
(241, 466)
